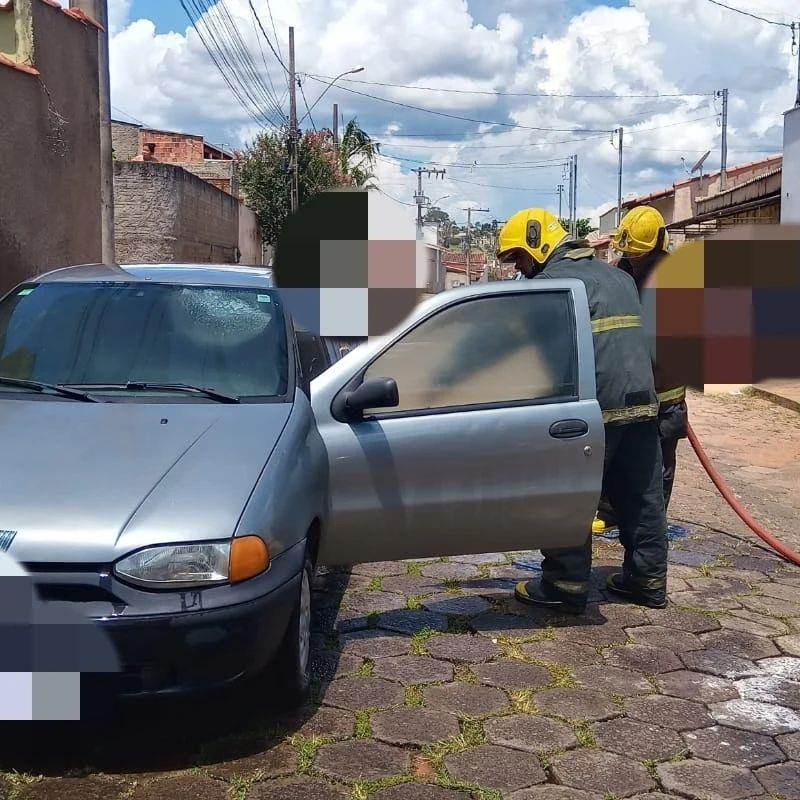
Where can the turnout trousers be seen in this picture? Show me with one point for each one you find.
(633, 483)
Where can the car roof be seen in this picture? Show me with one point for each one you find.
(182, 274)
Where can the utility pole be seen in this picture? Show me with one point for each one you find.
(795, 36)
(573, 211)
(98, 11)
(294, 189)
(569, 194)
(419, 197)
(336, 127)
(619, 178)
(560, 189)
(469, 238)
(723, 157)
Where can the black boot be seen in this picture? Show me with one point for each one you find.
(540, 593)
(642, 597)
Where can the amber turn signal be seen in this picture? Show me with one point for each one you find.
(249, 557)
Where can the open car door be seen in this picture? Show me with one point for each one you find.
(473, 427)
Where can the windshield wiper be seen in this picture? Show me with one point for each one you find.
(39, 386)
(139, 386)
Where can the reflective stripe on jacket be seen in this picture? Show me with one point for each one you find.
(625, 386)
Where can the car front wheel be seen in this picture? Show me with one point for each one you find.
(294, 657)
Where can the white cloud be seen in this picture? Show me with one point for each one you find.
(647, 47)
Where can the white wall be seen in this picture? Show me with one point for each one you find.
(790, 178)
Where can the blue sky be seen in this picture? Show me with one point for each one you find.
(552, 55)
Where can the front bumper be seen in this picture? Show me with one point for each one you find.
(178, 642)
(198, 650)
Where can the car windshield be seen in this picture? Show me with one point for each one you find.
(109, 334)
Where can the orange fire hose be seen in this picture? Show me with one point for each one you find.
(740, 510)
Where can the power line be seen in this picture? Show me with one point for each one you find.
(493, 93)
(256, 25)
(547, 163)
(465, 119)
(305, 103)
(749, 14)
(213, 33)
(264, 34)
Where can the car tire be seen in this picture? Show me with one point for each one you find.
(293, 662)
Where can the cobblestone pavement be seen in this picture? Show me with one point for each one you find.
(432, 683)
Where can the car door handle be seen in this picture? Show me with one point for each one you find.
(569, 429)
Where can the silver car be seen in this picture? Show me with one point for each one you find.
(168, 465)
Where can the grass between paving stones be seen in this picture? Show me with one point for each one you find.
(366, 669)
(364, 789)
(374, 585)
(562, 677)
(464, 674)
(419, 642)
(452, 586)
(583, 733)
(414, 568)
(239, 786)
(651, 765)
(414, 697)
(619, 701)
(307, 748)
(522, 701)
(373, 619)
(476, 792)
(363, 725)
(471, 734)
(17, 781)
(414, 602)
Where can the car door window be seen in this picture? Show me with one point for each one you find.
(507, 348)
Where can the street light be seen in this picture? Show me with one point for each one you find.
(436, 202)
(352, 71)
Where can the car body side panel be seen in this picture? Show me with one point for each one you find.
(292, 490)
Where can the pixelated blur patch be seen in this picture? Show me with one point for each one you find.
(726, 310)
(348, 264)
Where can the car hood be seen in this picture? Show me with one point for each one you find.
(87, 483)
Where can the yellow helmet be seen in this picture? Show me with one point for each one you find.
(534, 230)
(639, 230)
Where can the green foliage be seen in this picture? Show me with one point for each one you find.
(264, 174)
(584, 227)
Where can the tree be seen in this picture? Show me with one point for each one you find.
(584, 227)
(264, 170)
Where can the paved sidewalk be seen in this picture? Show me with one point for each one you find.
(432, 683)
(756, 446)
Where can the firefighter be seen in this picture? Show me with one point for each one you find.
(539, 247)
(643, 241)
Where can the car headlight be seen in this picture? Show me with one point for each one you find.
(195, 564)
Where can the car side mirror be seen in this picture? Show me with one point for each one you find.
(375, 393)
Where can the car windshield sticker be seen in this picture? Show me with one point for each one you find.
(264, 298)
(24, 292)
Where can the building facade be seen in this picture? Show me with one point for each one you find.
(49, 137)
(698, 206)
(132, 142)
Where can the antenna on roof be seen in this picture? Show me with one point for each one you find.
(699, 165)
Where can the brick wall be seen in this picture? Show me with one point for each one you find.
(125, 140)
(218, 172)
(173, 148)
(165, 214)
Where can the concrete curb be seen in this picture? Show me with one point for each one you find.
(773, 397)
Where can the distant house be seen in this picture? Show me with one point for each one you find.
(697, 206)
(178, 199)
(188, 150)
(455, 266)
